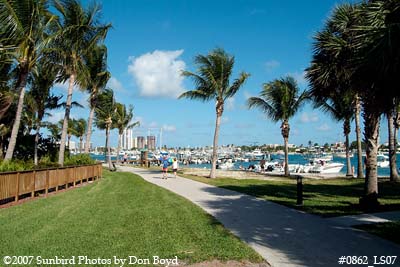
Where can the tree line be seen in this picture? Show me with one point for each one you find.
(47, 42)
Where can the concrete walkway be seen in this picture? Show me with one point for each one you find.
(284, 237)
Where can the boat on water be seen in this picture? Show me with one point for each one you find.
(382, 161)
(225, 164)
(326, 167)
(341, 153)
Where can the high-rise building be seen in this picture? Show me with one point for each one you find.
(151, 142)
(126, 139)
(141, 142)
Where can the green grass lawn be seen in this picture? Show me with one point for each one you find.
(120, 215)
(333, 197)
(388, 230)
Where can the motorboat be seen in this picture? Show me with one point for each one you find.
(324, 167)
(382, 161)
(225, 164)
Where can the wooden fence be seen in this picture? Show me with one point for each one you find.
(16, 184)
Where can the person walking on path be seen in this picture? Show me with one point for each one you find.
(175, 166)
(165, 164)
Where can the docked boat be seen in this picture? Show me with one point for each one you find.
(225, 164)
(382, 161)
(326, 167)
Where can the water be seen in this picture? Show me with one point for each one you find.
(293, 159)
(299, 159)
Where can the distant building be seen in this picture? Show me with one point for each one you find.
(141, 142)
(126, 139)
(151, 142)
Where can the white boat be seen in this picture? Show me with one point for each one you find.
(382, 161)
(226, 165)
(342, 154)
(326, 167)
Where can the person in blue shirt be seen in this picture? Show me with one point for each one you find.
(165, 164)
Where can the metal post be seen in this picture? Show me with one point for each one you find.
(299, 190)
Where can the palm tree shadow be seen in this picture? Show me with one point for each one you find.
(288, 235)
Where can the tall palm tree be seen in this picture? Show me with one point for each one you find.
(123, 118)
(280, 100)
(95, 82)
(42, 81)
(390, 115)
(80, 31)
(377, 43)
(24, 27)
(104, 117)
(212, 82)
(357, 111)
(80, 131)
(341, 108)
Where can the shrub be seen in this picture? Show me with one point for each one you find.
(80, 159)
(15, 165)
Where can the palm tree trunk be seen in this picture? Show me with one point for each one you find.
(66, 118)
(89, 130)
(360, 172)
(286, 140)
(348, 162)
(80, 144)
(35, 156)
(118, 147)
(17, 121)
(371, 135)
(215, 145)
(394, 176)
(108, 149)
(346, 131)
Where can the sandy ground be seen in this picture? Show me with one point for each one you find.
(256, 175)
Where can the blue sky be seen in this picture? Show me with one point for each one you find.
(151, 41)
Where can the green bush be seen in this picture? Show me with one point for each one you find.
(80, 159)
(16, 165)
(44, 163)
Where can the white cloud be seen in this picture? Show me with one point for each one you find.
(246, 95)
(158, 74)
(324, 127)
(271, 65)
(169, 128)
(114, 84)
(308, 117)
(299, 77)
(153, 124)
(230, 103)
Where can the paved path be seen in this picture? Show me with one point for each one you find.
(283, 236)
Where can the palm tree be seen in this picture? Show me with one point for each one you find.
(104, 117)
(377, 43)
(123, 118)
(79, 32)
(390, 115)
(341, 108)
(212, 82)
(79, 131)
(280, 100)
(42, 82)
(95, 82)
(23, 26)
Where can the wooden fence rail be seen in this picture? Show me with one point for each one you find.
(18, 183)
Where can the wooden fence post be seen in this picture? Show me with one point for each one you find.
(47, 181)
(17, 189)
(75, 176)
(34, 183)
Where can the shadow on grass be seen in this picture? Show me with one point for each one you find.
(285, 235)
(322, 199)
